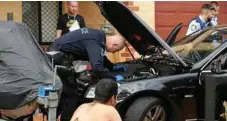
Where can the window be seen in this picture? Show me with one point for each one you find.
(41, 18)
(197, 49)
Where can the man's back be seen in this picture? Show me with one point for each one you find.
(96, 112)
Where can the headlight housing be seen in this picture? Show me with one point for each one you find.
(90, 94)
(122, 95)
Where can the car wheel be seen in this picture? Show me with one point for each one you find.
(146, 109)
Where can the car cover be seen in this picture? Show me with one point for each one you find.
(23, 66)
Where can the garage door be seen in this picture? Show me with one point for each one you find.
(170, 14)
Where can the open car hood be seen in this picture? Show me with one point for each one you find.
(133, 28)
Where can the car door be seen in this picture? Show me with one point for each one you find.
(172, 36)
(211, 89)
(204, 51)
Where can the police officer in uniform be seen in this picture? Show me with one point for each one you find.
(214, 20)
(203, 20)
(89, 44)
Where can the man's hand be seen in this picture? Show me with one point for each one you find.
(58, 33)
(120, 68)
(119, 78)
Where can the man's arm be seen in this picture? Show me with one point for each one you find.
(96, 57)
(108, 64)
(82, 22)
(58, 33)
(74, 117)
(96, 54)
(114, 115)
(59, 27)
(76, 114)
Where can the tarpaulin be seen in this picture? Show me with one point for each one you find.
(23, 66)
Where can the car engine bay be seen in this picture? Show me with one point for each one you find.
(144, 68)
(147, 67)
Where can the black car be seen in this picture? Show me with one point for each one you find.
(166, 82)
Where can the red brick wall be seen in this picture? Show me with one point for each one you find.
(168, 14)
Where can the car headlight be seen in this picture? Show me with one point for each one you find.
(122, 95)
(90, 93)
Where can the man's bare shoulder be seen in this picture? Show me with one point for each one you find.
(112, 109)
(81, 110)
(84, 106)
(113, 113)
(109, 110)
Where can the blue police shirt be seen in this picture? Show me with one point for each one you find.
(86, 44)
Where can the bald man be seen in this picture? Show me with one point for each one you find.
(92, 45)
(70, 20)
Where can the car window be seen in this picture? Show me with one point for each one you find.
(189, 38)
(222, 57)
(195, 50)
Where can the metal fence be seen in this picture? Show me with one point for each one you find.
(30, 16)
(41, 17)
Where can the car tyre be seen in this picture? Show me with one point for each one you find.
(147, 109)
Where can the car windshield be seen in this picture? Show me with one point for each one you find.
(197, 46)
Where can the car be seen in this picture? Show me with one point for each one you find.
(165, 83)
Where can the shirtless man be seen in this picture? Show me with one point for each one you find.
(102, 108)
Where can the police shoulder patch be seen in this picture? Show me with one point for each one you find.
(193, 27)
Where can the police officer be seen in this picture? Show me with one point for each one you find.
(90, 44)
(214, 20)
(202, 21)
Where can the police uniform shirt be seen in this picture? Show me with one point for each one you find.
(195, 26)
(85, 44)
(65, 22)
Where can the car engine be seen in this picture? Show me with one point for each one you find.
(150, 67)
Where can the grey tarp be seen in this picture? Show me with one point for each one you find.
(23, 66)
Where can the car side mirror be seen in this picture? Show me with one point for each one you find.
(216, 66)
